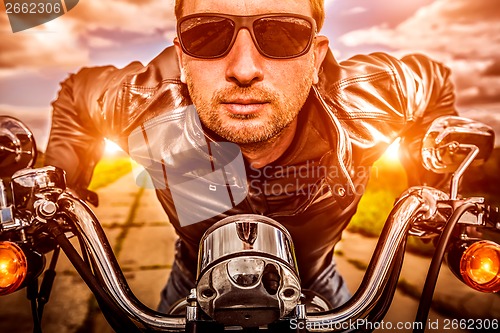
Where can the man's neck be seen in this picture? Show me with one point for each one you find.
(262, 153)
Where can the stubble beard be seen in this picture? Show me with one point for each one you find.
(242, 129)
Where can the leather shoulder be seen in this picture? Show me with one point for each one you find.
(365, 86)
(152, 91)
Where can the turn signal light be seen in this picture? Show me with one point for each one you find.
(480, 266)
(13, 267)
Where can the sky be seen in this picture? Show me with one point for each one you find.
(463, 34)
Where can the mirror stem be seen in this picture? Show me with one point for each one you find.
(457, 175)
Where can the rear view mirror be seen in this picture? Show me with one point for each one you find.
(17, 146)
(450, 140)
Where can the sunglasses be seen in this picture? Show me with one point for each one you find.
(277, 36)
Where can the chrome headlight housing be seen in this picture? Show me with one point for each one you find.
(247, 271)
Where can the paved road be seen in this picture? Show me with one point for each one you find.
(143, 242)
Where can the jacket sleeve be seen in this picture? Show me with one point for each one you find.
(431, 93)
(83, 115)
(378, 98)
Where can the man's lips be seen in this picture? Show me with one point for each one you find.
(244, 106)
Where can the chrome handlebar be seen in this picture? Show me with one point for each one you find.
(417, 202)
(107, 267)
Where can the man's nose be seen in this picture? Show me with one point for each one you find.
(244, 62)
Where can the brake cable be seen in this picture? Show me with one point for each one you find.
(435, 266)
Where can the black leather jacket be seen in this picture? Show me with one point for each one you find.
(355, 111)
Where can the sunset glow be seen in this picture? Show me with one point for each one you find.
(111, 148)
(392, 152)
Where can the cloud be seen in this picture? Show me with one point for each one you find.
(461, 33)
(474, 79)
(68, 41)
(493, 69)
(486, 113)
(36, 118)
(458, 27)
(328, 2)
(146, 17)
(100, 42)
(52, 45)
(355, 11)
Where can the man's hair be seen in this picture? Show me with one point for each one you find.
(317, 8)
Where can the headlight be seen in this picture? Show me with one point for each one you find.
(247, 272)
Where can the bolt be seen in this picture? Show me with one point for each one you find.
(341, 191)
(47, 208)
(192, 295)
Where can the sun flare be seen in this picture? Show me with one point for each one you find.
(392, 152)
(111, 148)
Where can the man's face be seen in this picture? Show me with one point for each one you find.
(244, 96)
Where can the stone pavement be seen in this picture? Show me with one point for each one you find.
(143, 242)
(453, 301)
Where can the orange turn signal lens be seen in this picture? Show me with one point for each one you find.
(480, 266)
(13, 267)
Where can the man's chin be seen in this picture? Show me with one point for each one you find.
(245, 134)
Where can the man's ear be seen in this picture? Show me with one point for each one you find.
(178, 50)
(320, 51)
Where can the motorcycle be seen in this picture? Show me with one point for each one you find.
(247, 279)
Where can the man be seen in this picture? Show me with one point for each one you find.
(259, 76)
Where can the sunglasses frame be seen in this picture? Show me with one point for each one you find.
(246, 22)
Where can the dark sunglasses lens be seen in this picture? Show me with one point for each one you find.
(206, 36)
(283, 37)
